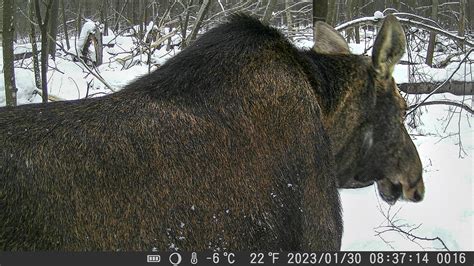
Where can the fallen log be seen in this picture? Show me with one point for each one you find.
(454, 87)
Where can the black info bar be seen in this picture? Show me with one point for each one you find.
(234, 258)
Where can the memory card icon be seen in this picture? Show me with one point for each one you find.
(153, 258)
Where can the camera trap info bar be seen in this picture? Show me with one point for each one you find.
(234, 258)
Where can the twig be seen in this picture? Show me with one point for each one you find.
(463, 106)
(393, 226)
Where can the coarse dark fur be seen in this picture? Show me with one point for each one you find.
(225, 147)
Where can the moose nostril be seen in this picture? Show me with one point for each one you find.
(416, 196)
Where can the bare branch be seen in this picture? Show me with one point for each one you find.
(394, 226)
(465, 107)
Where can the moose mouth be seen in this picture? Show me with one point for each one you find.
(392, 194)
(388, 190)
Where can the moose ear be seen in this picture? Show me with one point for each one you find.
(389, 46)
(328, 40)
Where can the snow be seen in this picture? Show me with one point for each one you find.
(89, 27)
(149, 27)
(378, 15)
(445, 146)
(25, 83)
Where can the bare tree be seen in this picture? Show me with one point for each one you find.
(431, 43)
(470, 15)
(43, 25)
(53, 28)
(34, 46)
(8, 57)
(66, 34)
(99, 52)
(200, 17)
(320, 10)
(462, 18)
(184, 23)
(104, 16)
(397, 5)
(79, 17)
(379, 5)
(289, 18)
(331, 17)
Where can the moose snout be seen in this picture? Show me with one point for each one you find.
(391, 191)
(414, 193)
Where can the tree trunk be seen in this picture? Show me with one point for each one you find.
(53, 28)
(462, 18)
(86, 10)
(98, 47)
(66, 34)
(103, 16)
(268, 11)
(145, 14)
(7, 43)
(134, 12)
(379, 5)
(200, 17)
(43, 25)
(320, 10)
(289, 19)
(350, 14)
(331, 13)
(397, 5)
(470, 15)
(462, 21)
(34, 46)
(431, 43)
(117, 16)
(356, 13)
(139, 20)
(79, 18)
(185, 23)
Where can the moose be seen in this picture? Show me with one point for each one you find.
(239, 142)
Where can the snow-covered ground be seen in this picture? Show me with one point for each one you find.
(445, 144)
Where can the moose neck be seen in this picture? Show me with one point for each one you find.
(341, 84)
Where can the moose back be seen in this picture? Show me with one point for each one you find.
(239, 142)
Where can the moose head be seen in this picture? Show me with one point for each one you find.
(370, 141)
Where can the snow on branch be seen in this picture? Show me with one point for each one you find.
(376, 20)
(358, 21)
